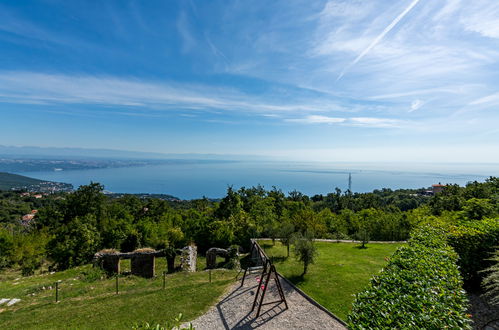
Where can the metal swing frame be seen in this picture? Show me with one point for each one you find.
(269, 272)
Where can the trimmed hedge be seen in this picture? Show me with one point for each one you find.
(474, 242)
(421, 288)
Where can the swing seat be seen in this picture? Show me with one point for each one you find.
(251, 269)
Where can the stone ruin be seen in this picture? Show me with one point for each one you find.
(212, 253)
(142, 261)
(211, 256)
(188, 257)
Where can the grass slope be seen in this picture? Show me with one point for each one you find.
(340, 270)
(9, 181)
(94, 305)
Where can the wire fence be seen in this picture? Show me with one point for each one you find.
(93, 283)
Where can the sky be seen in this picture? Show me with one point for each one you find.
(352, 80)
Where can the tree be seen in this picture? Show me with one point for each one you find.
(29, 251)
(477, 209)
(6, 248)
(364, 226)
(305, 250)
(229, 205)
(286, 234)
(87, 199)
(306, 219)
(75, 243)
(272, 230)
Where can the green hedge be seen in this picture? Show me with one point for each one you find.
(474, 242)
(421, 288)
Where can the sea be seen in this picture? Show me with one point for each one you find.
(211, 179)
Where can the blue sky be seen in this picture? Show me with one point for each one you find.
(372, 80)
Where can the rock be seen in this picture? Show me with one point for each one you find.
(188, 258)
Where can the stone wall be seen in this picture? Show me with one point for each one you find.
(143, 264)
(211, 256)
(142, 261)
(111, 264)
(188, 258)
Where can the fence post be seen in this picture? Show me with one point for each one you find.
(57, 291)
(117, 287)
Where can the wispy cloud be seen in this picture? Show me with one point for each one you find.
(378, 38)
(489, 99)
(315, 119)
(353, 121)
(28, 87)
(376, 122)
(482, 17)
(24, 29)
(416, 105)
(183, 27)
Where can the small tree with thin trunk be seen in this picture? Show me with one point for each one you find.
(364, 226)
(305, 250)
(286, 234)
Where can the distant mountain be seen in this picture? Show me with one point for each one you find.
(66, 153)
(82, 153)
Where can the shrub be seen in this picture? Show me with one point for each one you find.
(491, 281)
(474, 241)
(233, 262)
(420, 288)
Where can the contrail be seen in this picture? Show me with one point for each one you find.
(378, 38)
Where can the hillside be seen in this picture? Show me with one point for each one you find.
(9, 181)
(87, 301)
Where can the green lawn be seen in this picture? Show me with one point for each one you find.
(340, 270)
(94, 305)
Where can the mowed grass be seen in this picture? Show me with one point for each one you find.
(340, 270)
(95, 305)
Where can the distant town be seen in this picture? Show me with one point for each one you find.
(24, 164)
(45, 187)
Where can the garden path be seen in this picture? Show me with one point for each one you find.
(233, 311)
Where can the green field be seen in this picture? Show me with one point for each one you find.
(340, 271)
(95, 305)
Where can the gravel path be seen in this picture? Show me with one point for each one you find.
(234, 310)
(484, 315)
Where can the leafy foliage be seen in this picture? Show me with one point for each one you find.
(286, 234)
(75, 244)
(421, 288)
(305, 250)
(474, 241)
(78, 224)
(491, 281)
